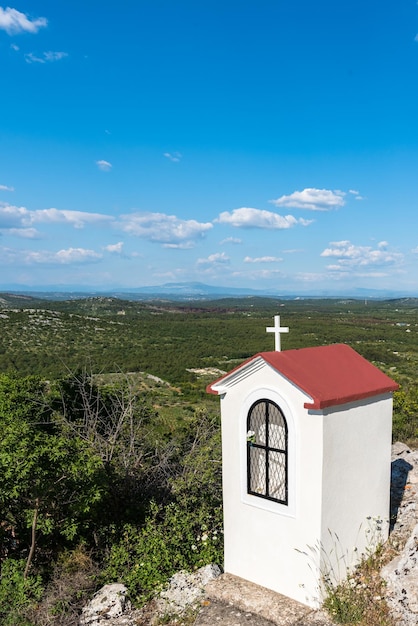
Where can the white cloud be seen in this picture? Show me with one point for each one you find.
(255, 218)
(216, 259)
(293, 251)
(21, 218)
(6, 188)
(175, 157)
(356, 194)
(263, 259)
(185, 245)
(234, 240)
(172, 275)
(312, 199)
(13, 216)
(116, 248)
(105, 166)
(77, 255)
(77, 219)
(63, 257)
(25, 233)
(258, 274)
(46, 57)
(14, 22)
(311, 277)
(352, 257)
(8, 255)
(162, 228)
(55, 56)
(48, 257)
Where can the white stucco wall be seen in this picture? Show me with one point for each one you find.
(264, 540)
(286, 548)
(356, 480)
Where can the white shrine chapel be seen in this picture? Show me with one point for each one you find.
(306, 449)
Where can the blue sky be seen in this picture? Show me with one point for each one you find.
(266, 144)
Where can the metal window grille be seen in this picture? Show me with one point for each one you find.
(267, 452)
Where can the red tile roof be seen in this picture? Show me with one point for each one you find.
(331, 375)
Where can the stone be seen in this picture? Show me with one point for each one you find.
(110, 606)
(403, 493)
(232, 601)
(186, 589)
(399, 448)
(401, 576)
(108, 603)
(229, 601)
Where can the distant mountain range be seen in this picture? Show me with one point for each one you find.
(192, 290)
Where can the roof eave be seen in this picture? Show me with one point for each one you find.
(319, 404)
(222, 384)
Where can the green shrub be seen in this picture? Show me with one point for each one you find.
(72, 583)
(17, 594)
(405, 413)
(345, 603)
(360, 598)
(173, 538)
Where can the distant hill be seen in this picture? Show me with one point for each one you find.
(189, 291)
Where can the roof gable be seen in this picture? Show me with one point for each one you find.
(330, 375)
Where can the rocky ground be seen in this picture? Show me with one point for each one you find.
(207, 598)
(232, 601)
(401, 574)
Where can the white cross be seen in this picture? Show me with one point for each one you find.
(276, 329)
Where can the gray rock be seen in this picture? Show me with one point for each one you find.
(401, 576)
(110, 607)
(186, 590)
(109, 603)
(403, 492)
(399, 448)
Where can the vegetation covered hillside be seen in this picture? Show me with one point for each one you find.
(169, 339)
(110, 462)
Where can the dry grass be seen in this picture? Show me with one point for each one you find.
(72, 585)
(360, 599)
(149, 614)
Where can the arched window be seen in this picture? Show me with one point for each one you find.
(267, 448)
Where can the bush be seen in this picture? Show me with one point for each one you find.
(360, 598)
(17, 594)
(185, 533)
(405, 414)
(73, 582)
(173, 538)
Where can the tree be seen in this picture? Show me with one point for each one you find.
(184, 532)
(109, 417)
(114, 420)
(49, 480)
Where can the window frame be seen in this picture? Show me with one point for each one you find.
(286, 402)
(269, 451)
